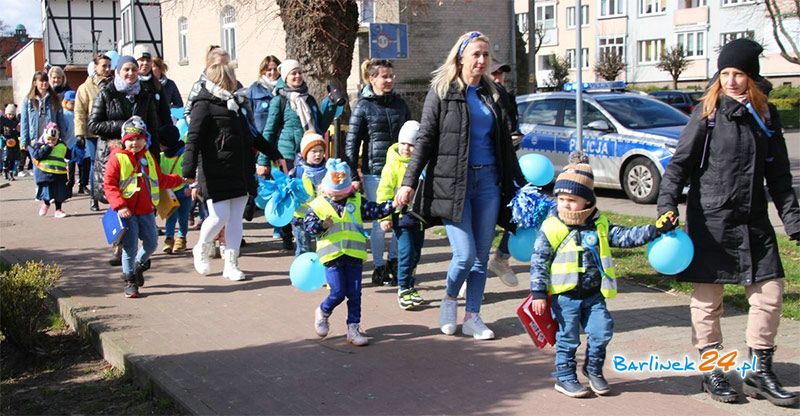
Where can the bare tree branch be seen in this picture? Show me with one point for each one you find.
(776, 17)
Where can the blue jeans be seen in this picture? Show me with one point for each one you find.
(140, 227)
(91, 150)
(181, 216)
(376, 238)
(471, 239)
(572, 314)
(409, 248)
(303, 241)
(344, 278)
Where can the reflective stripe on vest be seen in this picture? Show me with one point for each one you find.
(345, 236)
(54, 162)
(301, 210)
(129, 179)
(169, 166)
(565, 269)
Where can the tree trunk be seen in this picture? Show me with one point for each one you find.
(321, 36)
(675, 82)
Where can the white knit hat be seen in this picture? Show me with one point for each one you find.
(287, 66)
(11, 109)
(409, 132)
(310, 139)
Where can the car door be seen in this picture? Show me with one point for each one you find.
(538, 121)
(599, 145)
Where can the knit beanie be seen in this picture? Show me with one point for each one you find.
(11, 109)
(124, 60)
(409, 132)
(310, 139)
(337, 183)
(576, 178)
(169, 136)
(287, 66)
(69, 95)
(132, 128)
(741, 54)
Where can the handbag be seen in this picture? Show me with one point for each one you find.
(167, 203)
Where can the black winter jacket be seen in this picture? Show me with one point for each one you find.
(374, 126)
(156, 90)
(726, 209)
(443, 146)
(222, 145)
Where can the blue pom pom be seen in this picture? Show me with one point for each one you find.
(529, 207)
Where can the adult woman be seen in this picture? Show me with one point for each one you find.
(220, 143)
(260, 92)
(41, 106)
(58, 81)
(169, 89)
(291, 114)
(215, 54)
(732, 144)
(374, 125)
(150, 84)
(466, 145)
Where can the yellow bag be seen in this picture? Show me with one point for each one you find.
(167, 203)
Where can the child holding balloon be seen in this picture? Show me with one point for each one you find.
(572, 262)
(336, 216)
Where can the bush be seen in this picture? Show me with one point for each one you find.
(645, 88)
(23, 291)
(785, 91)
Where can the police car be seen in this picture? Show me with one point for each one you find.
(629, 137)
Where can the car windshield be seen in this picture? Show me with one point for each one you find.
(637, 113)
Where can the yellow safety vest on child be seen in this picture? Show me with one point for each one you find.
(54, 162)
(172, 165)
(345, 236)
(129, 179)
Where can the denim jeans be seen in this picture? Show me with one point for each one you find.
(409, 248)
(376, 238)
(572, 314)
(471, 239)
(91, 150)
(304, 242)
(344, 278)
(140, 227)
(181, 216)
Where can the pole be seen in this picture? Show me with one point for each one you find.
(532, 45)
(578, 79)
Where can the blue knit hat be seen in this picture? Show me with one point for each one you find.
(337, 181)
(125, 59)
(69, 95)
(576, 178)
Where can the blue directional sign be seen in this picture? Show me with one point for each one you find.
(388, 41)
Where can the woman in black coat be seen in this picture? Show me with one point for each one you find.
(731, 146)
(471, 175)
(219, 153)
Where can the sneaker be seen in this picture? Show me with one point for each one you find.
(321, 322)
(474, 326)
(355, 336)
(377, 275)
(597, 382)
(131, 290)
(276, 233)
(448, 316)
(390, 278)
(416, 298)
(180, 245)
(202, 259)
(59, 214)
(500, 267)
(169, 242)
(43, 209)
(571, 388)
(404, 299)
(95, 206)
(138, 272)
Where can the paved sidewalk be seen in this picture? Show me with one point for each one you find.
(220, 347)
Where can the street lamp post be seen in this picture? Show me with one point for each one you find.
(578, 79)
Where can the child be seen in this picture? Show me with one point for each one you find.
(409, 231)
(309, 166)
(572, 262)
(9, 129)
(131, 183)
(336, 216)
(68, 136)
(50, 155)
(170, 162)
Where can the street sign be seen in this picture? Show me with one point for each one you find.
(388, 41)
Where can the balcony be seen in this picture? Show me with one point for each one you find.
(691, 16)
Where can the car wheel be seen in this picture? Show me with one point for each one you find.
(641, 180)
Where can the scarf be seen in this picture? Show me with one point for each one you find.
(740, 98)
(297, 100)
(267, 83)
(575, 217)
(163, 80)
(146, 77)
(230, 98)
(130, 90)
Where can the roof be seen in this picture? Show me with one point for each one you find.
(33, 40)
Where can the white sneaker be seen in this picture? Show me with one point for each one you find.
(231, 269)
(474, 326)
(500, 267)
(321, 322)
(448, 316)
(202, 263)
(355, 337)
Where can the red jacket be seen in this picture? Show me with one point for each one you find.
(139, 203)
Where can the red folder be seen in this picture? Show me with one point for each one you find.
(541, 328)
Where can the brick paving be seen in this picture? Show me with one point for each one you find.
(221, 347)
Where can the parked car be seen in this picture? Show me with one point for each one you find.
(682, 100)
(629, 138)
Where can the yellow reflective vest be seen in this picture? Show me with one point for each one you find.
(308, 185)
(54, 162)
(172, 165)
(345, 236)
(566, 269)
(129, 179)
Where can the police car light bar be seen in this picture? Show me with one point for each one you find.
(595, 86)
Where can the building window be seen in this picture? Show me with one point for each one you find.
(546, 62)
(611, 45)
(522, 22)
(573, 64)
(183, 41)
(693, 43)
(546, 16)
(727, 37)
(127, 36)
(652, 7)
(736, 2)
(228, 23)
(571, 17)
(366, 11)
(609, 8)
(650, 50)
(690, 4)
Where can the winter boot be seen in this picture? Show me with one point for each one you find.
(377, 275)
(169, 244)
(355, 336)
(179, 246)
(716, 384)
(321, 322)
(202, 257)
(597, 382)
(138, 272)
(231, 269)
(131, 289)
(762, 383)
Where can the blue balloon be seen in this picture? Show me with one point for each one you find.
(90, 68)
(176, 113)
(538, 169)
(114, 56)
(671, 253)
(307, 273)
(279, 214)
(183, 128)
(520, 244)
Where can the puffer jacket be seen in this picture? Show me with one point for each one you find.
(442, 150)
(156, 90)
(84, 101)
(391, 178)
(726, 208)
(259, 97)
(374, 126)
(29, 118)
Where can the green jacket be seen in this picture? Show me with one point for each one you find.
(392, 174)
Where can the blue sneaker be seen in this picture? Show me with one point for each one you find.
(597, 382)
(571, 388)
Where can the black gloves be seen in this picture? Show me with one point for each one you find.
(666, 222)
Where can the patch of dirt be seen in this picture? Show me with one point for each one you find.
(67, 376)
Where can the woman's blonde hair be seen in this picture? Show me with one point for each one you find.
(215, 54)
(451, 68)
(159, 63)
(754, 95)
(223, 75)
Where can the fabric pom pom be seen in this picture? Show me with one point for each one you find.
(287, 191)
(529, 207)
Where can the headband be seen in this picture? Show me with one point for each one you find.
(464, 44)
